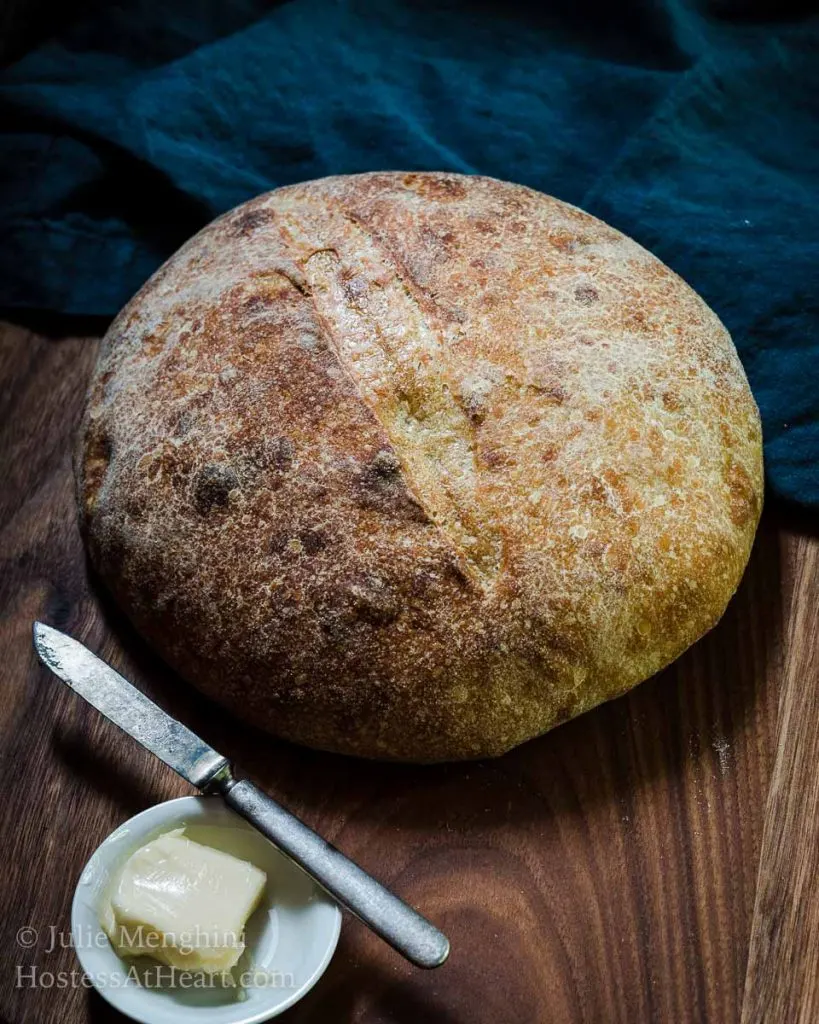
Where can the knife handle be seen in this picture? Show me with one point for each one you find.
(388, 916)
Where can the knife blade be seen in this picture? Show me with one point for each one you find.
(122, 703)
(112, 695)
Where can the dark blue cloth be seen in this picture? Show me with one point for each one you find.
(693, 127)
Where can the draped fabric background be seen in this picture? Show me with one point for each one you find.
(693, 127)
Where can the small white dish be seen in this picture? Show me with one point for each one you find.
(290, 938)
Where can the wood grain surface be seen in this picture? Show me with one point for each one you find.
(782, 982)
(603, 873)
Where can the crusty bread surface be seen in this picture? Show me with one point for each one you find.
(418, 466)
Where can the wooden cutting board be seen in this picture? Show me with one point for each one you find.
(603, 873)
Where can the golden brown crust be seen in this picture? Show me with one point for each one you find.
(418, 465)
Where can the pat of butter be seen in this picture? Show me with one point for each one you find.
(183, 904)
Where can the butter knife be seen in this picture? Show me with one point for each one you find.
(403, 928)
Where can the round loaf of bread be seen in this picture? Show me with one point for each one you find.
(418, 466)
